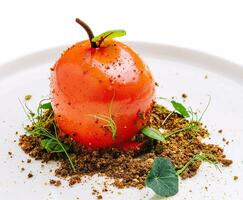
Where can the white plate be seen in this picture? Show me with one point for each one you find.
(177, 71)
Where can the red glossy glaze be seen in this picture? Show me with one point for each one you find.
(85, 80)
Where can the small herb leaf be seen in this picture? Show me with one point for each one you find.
(53, 146)
(153, 133)
(162, 178)
(46, 106)
(109, 35)
(180, 108)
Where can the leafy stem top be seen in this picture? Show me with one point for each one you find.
(42, 123)
(96, 41)
(186, 112)
(163, 178)
(108, 119)
(193, 125)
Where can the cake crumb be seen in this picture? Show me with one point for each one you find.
(10, 154)
(74, 180)
(30, 175)
(184, 95)
(56, 183)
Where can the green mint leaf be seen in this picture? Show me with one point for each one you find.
(180, 109)
(109, 35)
(153, 133)
(162, 178)
(46, 106)
(53, 146)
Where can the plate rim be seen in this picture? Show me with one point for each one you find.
(217, 64)
(169, 52)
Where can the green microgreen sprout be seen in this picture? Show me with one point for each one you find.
(210, 158)
(52, 143)
(163, 136)
(178, 107)
(193, 124)
(163, 179)
(108, 119)
(185, 112)
(42, 121)
(27, 111)
(190, 127)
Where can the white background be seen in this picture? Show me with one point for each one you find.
(213, 26)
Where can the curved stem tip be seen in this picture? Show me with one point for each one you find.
(89, 32)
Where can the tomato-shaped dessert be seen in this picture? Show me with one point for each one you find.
(100, 89)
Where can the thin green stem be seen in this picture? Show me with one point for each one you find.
(185, 166)
(165, 99)
(102, 117)
(209, 101)
(108, 118)
(167, 117)
(69, 159)
(43, 132)
(181, 130)
(199, 157)
(39, 109)
(27, 114)
(64, 150)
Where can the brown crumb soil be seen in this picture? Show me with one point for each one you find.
(220, 131)
(74, 180)
(30, 175)
(184, 95)
(97, 194)
(56, 183)
(129, 169)
(10, 154)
